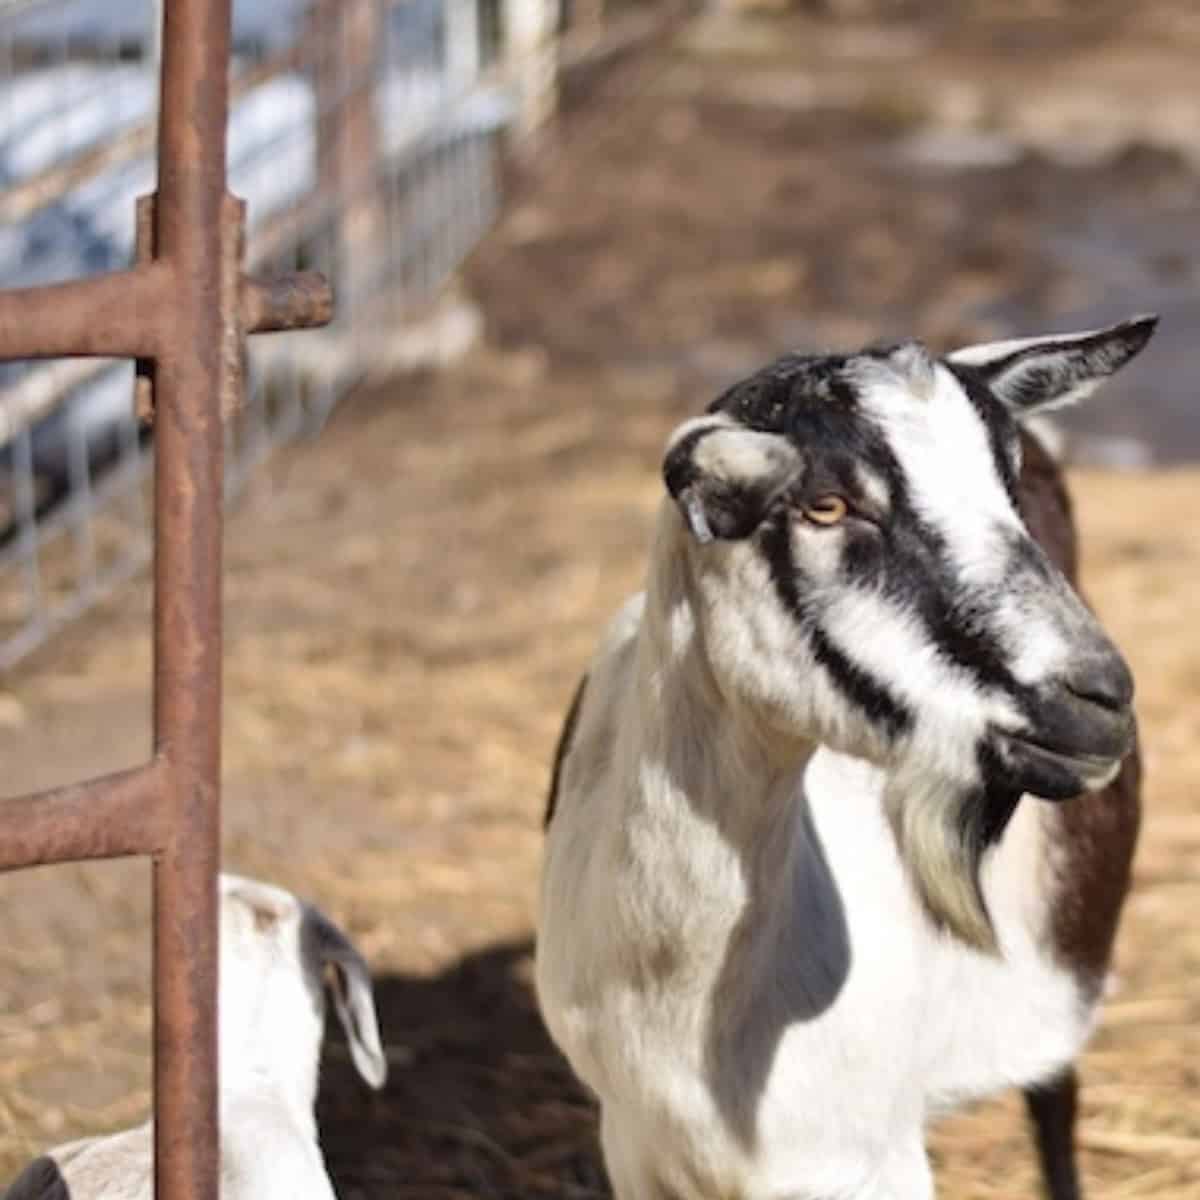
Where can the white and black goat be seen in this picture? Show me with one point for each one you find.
(793, 903)
(274, 952)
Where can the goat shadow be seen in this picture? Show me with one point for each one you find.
(478, 1102)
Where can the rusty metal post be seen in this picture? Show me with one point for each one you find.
(183, 312)
(190, 378)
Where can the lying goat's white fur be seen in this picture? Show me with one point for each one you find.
(274, 952)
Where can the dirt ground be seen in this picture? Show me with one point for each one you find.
(411, 597)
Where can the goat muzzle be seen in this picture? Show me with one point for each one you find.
(1080, 728)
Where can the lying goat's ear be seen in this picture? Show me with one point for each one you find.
(1033, 374)
(725, 477)
(326, 946)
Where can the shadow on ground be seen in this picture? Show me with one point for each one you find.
(478, 1102)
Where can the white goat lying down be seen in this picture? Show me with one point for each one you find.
(793, 904)
(274, 950)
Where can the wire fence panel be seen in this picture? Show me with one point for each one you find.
(364, 136)
(78, 106)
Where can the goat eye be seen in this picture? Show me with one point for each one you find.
(826, 510)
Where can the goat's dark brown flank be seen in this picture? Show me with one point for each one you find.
(1099, 829)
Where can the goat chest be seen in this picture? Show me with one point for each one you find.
(818, 1019)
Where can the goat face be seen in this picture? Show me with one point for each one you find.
(862, 577)
(275, 954)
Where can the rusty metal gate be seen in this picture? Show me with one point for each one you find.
(182, 312)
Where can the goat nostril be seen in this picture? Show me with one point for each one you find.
(1108, 684)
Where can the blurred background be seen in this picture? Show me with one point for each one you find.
(556, 227)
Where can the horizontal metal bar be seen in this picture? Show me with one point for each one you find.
(110, 817)
(301, 300)
(119, 315)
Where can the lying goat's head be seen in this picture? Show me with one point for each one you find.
(863, 578)
(276, 955)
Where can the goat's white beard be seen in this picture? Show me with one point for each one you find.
(936, 821)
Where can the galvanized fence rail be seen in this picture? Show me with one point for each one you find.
(183, 312)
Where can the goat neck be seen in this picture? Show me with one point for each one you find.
(715, 752)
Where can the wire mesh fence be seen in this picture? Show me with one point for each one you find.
(365, 136)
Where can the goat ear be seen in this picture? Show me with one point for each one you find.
(725, 477)
(266, 906)
(353, 997)
(1031, 375)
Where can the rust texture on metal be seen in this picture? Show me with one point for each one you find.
(143, 253)
(298, 301)
(231, 250)
(301, 300)
(119, 315)
(110, 817)
(183, 311)
(188, 386)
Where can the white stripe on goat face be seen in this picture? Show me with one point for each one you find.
(948, 703)
(943, 447)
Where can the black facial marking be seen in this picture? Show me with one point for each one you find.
(1027, 558)
(868, 693)
(770, 399)
(862, 555)
(679, 467)
(918, 573)
(990, 817)
(857, 685)
(963, 637)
